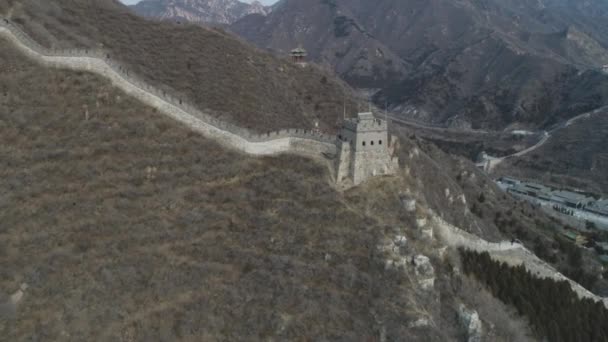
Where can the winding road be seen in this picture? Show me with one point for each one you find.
(492, 162)
(286, 141)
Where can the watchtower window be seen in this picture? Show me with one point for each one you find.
(380, 142)
(364, 143)
(372, 143)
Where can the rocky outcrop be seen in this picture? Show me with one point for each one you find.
(408, 202)
(9, 307)
(424, 271)
(470, 322)
(199, 11)
(394, 250)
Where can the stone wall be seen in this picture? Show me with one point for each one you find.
(358, 166)
(513, 254)
(364, 150)
(343, 162)
(170, 102)
(368, 164)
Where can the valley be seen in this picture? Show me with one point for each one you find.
(492, 65)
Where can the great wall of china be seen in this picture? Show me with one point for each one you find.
(513, 254)
(298, 141)
(290, 140)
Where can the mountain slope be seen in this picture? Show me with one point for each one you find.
(120, 224)
(200, 11)
(574, 157)
(207, 67)
(126, 225)
(484, 63)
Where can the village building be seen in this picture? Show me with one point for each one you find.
(599, 207)
(531, 189)
(570, 199)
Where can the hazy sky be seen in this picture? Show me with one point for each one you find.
(265, 2)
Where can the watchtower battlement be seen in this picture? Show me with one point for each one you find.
(364, 122)
(364, 150)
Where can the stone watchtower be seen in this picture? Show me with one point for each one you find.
(364, 150)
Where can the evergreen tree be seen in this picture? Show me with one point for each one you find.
(554, 310)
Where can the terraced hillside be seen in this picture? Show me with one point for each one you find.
(214, 70)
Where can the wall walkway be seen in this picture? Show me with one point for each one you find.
(284, 141)
(513, 254)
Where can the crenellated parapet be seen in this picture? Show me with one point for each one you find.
(363, 147)
(365, 150)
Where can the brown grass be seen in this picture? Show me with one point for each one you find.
(210, 68)
(127, 225)
(574, 157)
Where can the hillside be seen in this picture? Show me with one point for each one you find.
(487, 64)
(200, 11)
(174, 234)
(212, 69)
(127, 226)
(574, 157)
(120, 224)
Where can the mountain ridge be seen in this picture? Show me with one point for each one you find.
(215, 71)
(199, 11)
(467, 63)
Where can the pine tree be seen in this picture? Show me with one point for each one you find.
(554, 310)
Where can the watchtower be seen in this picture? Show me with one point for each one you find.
(364, 149)
(298, 55)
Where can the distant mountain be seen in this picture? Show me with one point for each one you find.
(480, 63)
(201, 11)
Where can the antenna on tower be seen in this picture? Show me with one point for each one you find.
(344, 106)
(386, 110)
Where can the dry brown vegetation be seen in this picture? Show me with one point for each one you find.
(128, 226)
(574, 157)
(210, 68)
(493, 214)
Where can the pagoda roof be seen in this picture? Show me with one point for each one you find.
(298, 51)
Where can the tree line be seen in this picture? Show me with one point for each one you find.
(553, 309)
